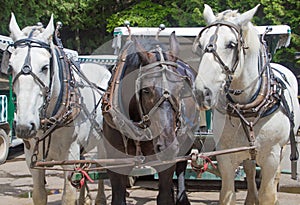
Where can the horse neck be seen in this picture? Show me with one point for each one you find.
(246, 77)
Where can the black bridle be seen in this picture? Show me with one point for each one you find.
(27, 68)
(211, 47)
(163, 68)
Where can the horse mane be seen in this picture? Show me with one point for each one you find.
(33, 30)
(249, 33)
(227, 15)
(148, 43)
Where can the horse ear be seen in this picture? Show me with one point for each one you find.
(174, 45)
(208, 14)
(141, 51)
(49, 30)
(246, 17)
(14, 28)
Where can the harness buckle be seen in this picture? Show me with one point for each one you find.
(210, 48)
(26, 69)
(146, 118)
(166, 94)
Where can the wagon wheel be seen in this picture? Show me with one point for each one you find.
(4, 146)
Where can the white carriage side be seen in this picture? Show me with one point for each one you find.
(7, 138)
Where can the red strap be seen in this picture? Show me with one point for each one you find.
(207, 162)
(201, 168)
(84, 174)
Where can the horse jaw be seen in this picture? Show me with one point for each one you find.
(14, 29)
(27, 120)
(208, 84)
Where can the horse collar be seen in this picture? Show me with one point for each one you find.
(265, 101)
(67, 106)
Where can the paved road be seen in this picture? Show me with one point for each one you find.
(16, 184)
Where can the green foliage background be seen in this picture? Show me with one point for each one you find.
(89, 23)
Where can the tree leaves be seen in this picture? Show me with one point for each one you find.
(88, 23)
(143, 14)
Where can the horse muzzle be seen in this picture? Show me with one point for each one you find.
(25, 131)
(165, 150)
(203, 98)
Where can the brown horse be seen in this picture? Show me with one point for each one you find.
(150, 114)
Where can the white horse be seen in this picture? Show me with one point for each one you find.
(254, 102)
(35, 64)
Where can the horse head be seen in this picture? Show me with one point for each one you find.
(225, 45)
(29, 65)
(159, 88)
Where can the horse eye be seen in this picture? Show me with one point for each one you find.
(145, 90)
(45, 68)
(231, 45)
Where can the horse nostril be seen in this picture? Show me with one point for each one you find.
(32, 126)
(159, 148)
(199, 95)
(25, 130)
(206, 93)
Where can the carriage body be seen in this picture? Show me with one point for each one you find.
(7, 136)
